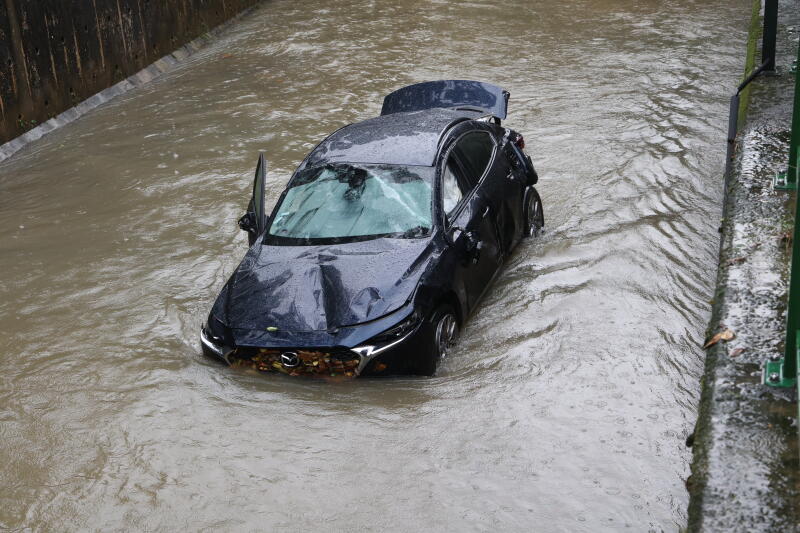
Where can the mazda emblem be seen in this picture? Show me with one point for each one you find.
(290, 359)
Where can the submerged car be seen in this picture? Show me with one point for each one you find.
(383, 242)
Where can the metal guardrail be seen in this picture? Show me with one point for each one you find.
(781, 371)
(733, 119)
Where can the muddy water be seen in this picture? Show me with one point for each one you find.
(567, 401)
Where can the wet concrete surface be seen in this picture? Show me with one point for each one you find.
(746, 473)
(564, 406)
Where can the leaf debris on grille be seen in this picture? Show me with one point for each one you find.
(310, 363)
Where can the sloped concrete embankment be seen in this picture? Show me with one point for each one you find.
(745, 471)
(59, 54)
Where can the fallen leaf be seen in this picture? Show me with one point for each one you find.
(737, 352)
(737, 260)
(786, 239)
(721, 336)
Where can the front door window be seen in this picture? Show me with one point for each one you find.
(451, 190)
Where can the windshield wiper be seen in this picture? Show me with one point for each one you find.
(416, 231)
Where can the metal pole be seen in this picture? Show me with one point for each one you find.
(790, 350)
(792, 314)
(733, 127)
(770, 32)
(797, 381)
(783, 372)
(795, 140)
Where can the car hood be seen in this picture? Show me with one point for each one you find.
(320, 288)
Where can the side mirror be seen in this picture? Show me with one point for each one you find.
(248, 223)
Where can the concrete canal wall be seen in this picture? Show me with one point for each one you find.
(745, 470)
(56, 54)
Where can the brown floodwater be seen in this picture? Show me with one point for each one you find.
(563, 408)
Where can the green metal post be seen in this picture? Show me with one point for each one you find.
(788, 180)
(790, 350)
(783, 372)
(795, 141)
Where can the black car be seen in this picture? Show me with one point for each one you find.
(385, 239)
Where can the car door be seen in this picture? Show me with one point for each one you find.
(254, 221)
(469, 222)
(478, 149)
(503, 187)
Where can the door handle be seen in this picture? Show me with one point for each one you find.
(486, 211)
(476, 254)
(473, 247)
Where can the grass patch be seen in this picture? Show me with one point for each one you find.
(754, 34)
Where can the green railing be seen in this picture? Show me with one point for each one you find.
(781, 371)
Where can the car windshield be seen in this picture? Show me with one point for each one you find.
(349, 202)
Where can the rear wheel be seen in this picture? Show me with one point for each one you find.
(442, 333)
(534, 214)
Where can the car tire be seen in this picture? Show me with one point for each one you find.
(534, 214)
(441, 332)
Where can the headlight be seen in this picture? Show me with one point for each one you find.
(216, 331)
(389, 338)
(398, 331)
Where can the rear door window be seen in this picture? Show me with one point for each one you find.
(475, 149)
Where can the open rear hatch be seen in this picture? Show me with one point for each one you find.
(464, 95)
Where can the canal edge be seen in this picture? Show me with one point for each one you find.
(737, 483)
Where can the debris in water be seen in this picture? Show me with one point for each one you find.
(737, 352)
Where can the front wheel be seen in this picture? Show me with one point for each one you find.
(442, 332)
(534, 214)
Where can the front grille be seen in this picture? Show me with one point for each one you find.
(328, 362)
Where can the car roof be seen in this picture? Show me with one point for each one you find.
(397, 139)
